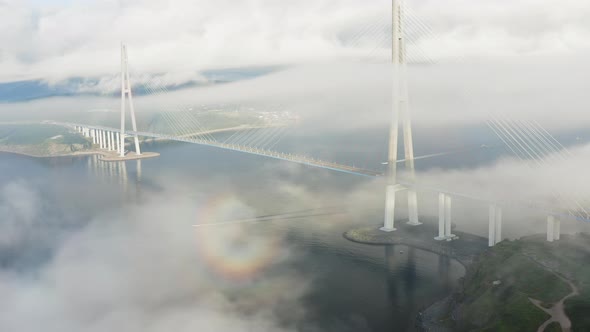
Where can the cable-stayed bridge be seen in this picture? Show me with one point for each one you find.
(295, 158)
(527, 140)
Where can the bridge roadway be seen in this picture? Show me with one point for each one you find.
(304, 160)
(299, 159)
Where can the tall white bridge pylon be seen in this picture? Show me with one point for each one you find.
(400, 111)
(514, 135)
(126, 94)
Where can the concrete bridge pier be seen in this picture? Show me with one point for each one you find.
(441, 217)
(389, 225)
(550, 228)
(110, 139)
(444, 218)
(495, 225)
(101, 138)
(118, 142)
(449, 236)
(498, 233)
(553, 229)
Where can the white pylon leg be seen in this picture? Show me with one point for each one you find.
(413, 208)
(112, 139)
(389, 223)
(492, 226)
(498, 225)
(557, 230)
(400, 108)
(126, 91)
(100, 143)
(441, 217)
(448, 220)
(404, 110)
(123, 93)
(550, 228)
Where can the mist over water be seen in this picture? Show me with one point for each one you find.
(85, 218)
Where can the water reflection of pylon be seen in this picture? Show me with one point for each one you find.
(108, 171)
(138, 170)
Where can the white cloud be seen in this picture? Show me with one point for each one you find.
(183, 36)
(340, 96)
(146, 271)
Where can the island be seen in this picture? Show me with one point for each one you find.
(42, 139)
(527, 284)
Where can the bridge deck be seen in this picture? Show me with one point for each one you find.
(304, 160)
(299, 159)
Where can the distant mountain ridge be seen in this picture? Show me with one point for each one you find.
(12, 92)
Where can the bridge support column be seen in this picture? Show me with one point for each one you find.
(389, 224)
(122, 146)
(99, 138)
(413, 208)
(557, 230)
(102, 140)
(118, 141)
(498, 222)
(448, 221)
(550, 228)
(492, 226)
(441, 217)
(111, 141)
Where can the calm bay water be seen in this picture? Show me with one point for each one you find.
(349, 286)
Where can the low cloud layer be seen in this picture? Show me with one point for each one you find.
(550, 91)
(142, 270)
(57, 40)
